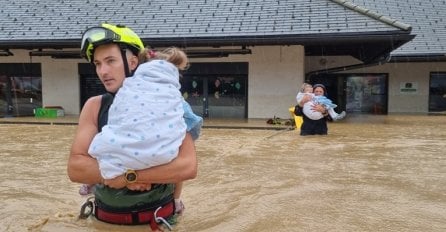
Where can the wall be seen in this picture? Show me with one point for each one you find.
(399, 102)
(275, 74)
(60, 83)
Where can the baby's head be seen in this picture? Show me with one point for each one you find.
(306, 88)
(172, 54)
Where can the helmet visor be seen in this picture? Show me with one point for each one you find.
(94, 37)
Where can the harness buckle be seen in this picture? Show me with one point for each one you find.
(161, 219)
(87, 208)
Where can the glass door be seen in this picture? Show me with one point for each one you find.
(226, 97)
(437, 92)
(366, 93)
(192, 88)
(217, 90)
(216, 96)
(356, 93)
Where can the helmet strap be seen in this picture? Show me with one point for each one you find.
(124, 59)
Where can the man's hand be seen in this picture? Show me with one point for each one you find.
(117, 182)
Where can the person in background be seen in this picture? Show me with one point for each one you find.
(307, 89)
(138, 196)
(309, 126)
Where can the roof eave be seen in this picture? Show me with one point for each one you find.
(422, 57)
(364, 46)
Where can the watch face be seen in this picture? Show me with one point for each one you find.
(131, 177)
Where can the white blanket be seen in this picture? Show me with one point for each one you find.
(145, 123)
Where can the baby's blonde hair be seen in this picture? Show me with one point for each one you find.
(174, 55)
(304, 86)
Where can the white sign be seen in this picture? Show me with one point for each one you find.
(409, 87)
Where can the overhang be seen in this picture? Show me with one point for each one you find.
(366, 47)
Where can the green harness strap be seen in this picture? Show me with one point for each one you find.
(125, 200)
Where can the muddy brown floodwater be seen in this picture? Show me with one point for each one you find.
(371, 173)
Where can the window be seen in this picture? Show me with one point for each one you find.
(20, 89)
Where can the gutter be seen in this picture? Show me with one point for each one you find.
(427, 57)
(248, 40)
(289, 39)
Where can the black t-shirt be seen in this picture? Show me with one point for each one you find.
(309, 126)
(106, 101)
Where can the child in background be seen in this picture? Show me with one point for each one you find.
(307, 89)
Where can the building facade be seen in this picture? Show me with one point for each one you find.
(248, 59)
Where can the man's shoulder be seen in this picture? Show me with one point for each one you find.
(89, 112)
(94, 100)
(92, 104)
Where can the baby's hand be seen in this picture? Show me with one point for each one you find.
(139, 186)
(305, 99)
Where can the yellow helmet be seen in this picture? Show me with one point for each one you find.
(108, 33)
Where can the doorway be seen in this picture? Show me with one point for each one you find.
(360, 93)
(90, 85)
(216, 90)
(437, 92)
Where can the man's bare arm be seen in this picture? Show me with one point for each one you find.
(184, 167)
(83, 168)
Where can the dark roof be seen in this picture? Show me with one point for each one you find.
(324, 27)
(428, 22)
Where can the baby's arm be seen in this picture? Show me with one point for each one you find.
(299, 97)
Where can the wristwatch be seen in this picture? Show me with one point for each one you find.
(130, 176)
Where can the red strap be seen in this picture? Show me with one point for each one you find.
(153, 225)
(144, 217)
(115, 218)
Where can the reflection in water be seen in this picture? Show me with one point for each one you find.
(371, 173)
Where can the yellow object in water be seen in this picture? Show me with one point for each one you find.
(297, 119)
